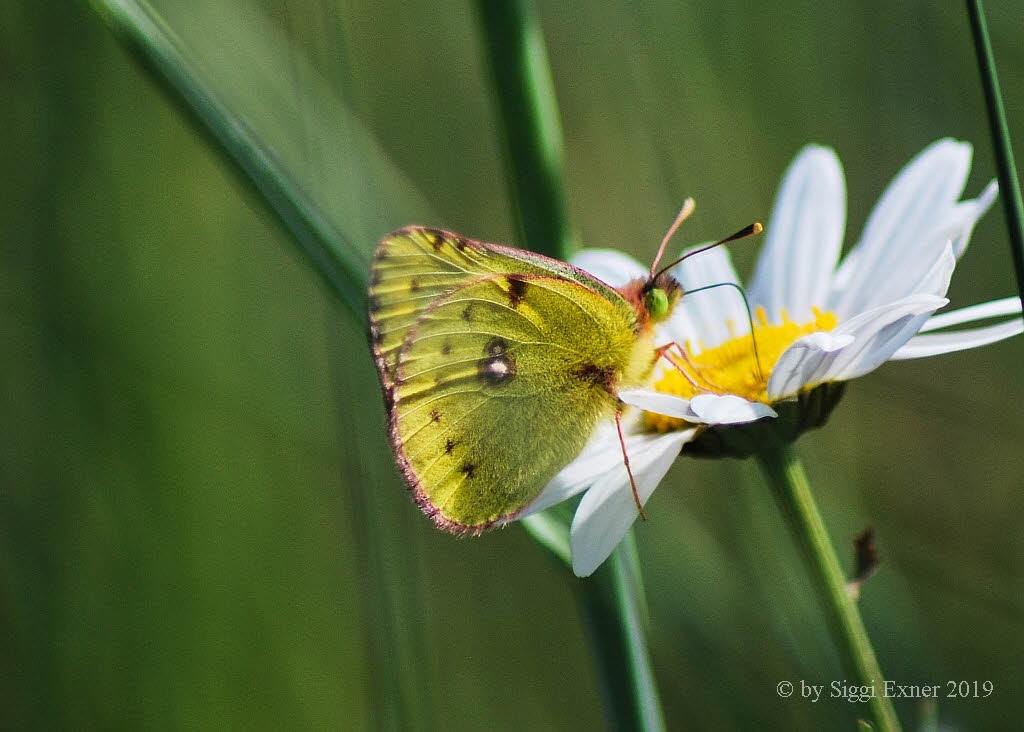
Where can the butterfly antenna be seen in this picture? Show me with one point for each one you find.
(752, 230)
(629, 470)
(750, 318)
(684, 214)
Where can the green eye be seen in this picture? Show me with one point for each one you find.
(657, 303)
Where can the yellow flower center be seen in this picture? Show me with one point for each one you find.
(734, 367)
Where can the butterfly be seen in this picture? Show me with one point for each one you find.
(497, 364)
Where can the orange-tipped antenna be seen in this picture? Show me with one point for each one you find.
(753, 230)
(684, 214)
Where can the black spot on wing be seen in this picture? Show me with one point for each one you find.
(496, 346)
(446, 349)
(449, 446)
(435, 416)
(468, 469)
(516, 291)
(435, 238)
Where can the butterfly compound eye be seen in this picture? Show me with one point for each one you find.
(657, 303)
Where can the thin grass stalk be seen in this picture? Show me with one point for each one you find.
(612, 600)
(528, 116)
(1009, 183)
(614, 608)
(793, 492)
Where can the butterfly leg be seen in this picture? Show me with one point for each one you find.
(664, 352)
(625, 460)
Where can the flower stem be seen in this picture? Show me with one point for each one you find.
(787, 477)
(1009, 184)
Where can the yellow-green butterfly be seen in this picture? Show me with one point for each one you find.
(497, 364)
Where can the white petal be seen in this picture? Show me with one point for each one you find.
(918, 280)
(703, 408)
(601, 454)
(993, 309)
(657, 401)
(877, 335)
(608, 510)
(909, 273)
(966, 215)
(862, 343)
(804, 235)
(714, 315)
(938, 343)
(914, 281)
(805, 357)
(852, 348)
(728, 409)
(610, 266)
(900, 234)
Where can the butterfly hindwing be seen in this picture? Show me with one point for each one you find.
(497, 375)
(491, 399)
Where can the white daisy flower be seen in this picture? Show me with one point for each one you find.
(817, 323)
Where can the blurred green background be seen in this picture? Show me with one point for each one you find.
(193, 471)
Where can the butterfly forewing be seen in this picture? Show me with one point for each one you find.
(414, 266)
(497, 365)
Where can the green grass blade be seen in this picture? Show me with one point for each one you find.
(551, 531)
(631, 604)
(336, 242)
(529, 116)
(616, 621)
(311, 160)
(613, 599)
(333, 257)
(1009, 183)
